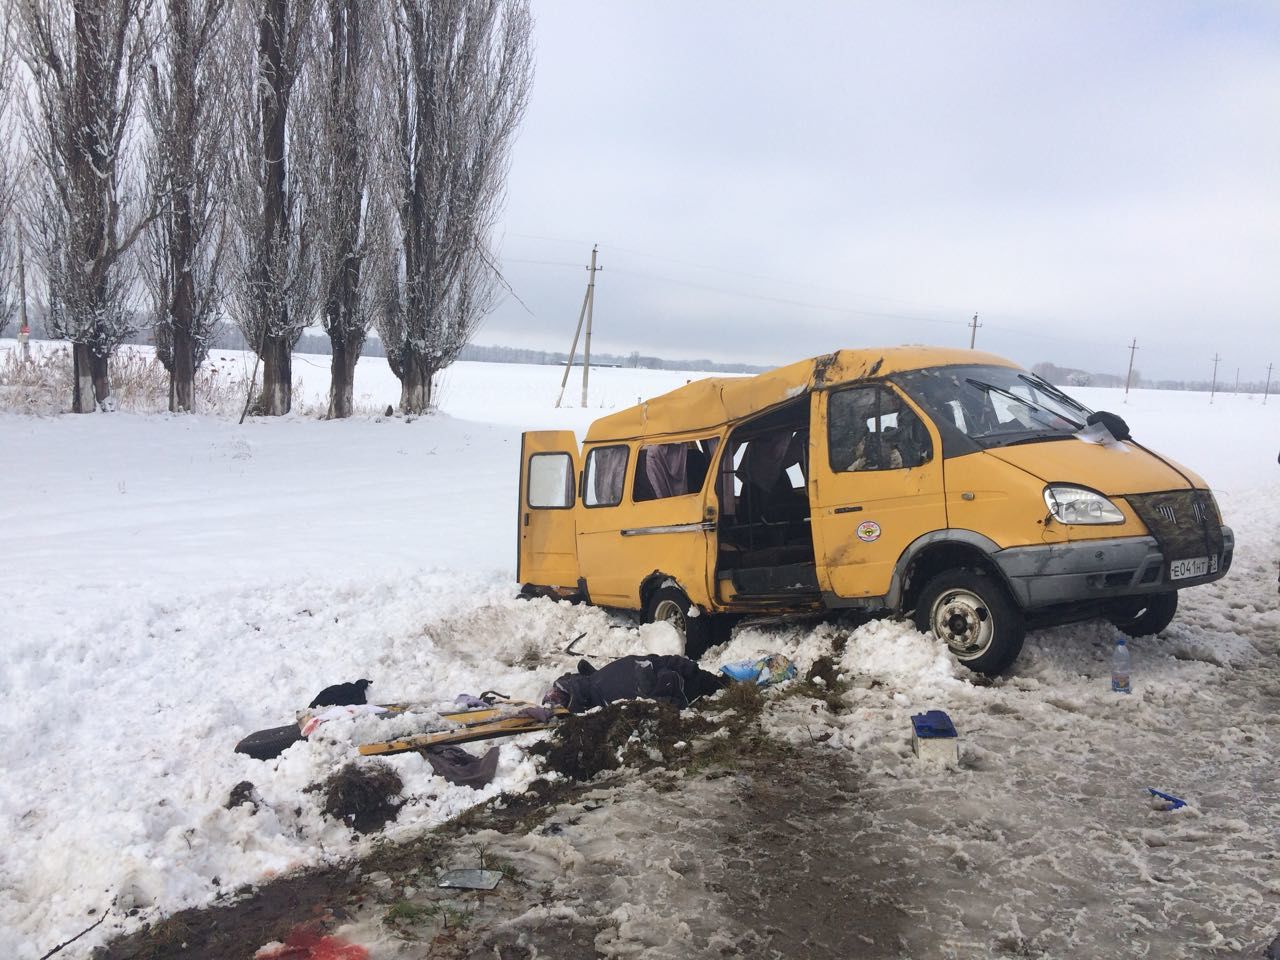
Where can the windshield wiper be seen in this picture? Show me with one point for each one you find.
(1038, 438)
(1038, 381)
(1022, 401)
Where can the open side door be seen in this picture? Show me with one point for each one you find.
(547, 553)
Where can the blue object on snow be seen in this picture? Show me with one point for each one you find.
(1174, 802)
(934, 723)
(766, 671)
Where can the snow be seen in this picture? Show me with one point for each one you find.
(177, 582)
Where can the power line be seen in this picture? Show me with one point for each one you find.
(544, 263)
(725, 270)
(1165, 350)
(785, 301)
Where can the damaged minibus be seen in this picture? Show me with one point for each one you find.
(950, 486)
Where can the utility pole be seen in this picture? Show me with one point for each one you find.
(1213, 388)
(1267, 388)
(586, 344)
(584, 313)
(1129, 376)
(24, 331)
(1237, 386)
(973, 331)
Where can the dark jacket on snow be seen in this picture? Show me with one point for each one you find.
(668, 679)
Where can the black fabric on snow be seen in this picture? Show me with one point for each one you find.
(464, 769)
(670, 679)
(342, 694)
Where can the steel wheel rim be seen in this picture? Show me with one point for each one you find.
(668, 611)
(962, 620)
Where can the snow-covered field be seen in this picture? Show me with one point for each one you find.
(173, 583)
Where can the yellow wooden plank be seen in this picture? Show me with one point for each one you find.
(505, 727)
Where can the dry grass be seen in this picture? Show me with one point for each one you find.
(139, 384)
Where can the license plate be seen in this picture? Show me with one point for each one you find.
(1196, 567)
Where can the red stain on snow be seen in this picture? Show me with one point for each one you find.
(305, 944)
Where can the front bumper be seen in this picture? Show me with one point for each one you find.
(1043, 576)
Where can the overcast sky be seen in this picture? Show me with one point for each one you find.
(770, 181)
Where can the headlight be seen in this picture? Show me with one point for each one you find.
(1078, 505)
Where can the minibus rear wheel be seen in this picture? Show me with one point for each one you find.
(671, 605)
(973, 614)
(1147, 615)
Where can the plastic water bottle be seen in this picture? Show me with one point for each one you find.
(1120, 666)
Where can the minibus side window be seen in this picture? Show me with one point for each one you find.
(870, 428)
(551, 481)
(672, 469)
(602, 477)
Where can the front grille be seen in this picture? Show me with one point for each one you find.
(1184, 522)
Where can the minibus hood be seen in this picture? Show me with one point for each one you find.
(1113, 471)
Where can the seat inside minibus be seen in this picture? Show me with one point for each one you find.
(765, 540)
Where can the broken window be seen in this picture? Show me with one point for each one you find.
(605, 469)
(993, 406)
(870, 428)
(672, 469)
(551, 481)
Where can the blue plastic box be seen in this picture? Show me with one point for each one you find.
(934, 738)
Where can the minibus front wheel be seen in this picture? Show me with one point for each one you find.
(671, 605)
(973, 614)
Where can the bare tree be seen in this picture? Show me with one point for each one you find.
(275, 276)
(187, 113)
(464, 69)
(86, 59)
(10, 166)
(349, 111)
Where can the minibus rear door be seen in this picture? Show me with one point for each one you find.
(547, 553)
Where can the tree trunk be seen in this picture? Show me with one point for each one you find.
(342, 381)
(101, 380)
(277, 377)
(182, 248)
(82, 379)
(182, 376)
(415, 385)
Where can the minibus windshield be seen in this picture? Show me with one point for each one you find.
(995, 406)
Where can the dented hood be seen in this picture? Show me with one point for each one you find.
(1113, 472)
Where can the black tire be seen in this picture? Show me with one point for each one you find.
(671, 604)
(974, 615)
(1146, 615)
(269, 744)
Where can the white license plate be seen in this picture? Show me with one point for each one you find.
(1197, 567)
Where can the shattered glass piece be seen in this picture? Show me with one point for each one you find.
(470, 879)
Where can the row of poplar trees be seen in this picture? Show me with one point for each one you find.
(278, 163)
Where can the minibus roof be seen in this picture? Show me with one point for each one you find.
(710, 403)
